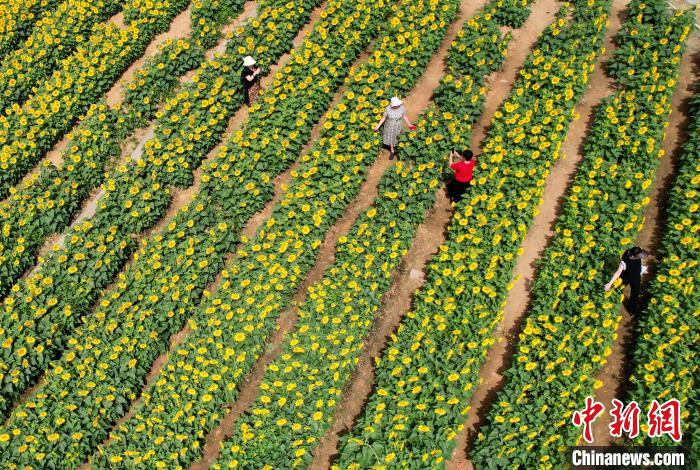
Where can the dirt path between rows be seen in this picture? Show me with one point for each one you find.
(183, 197)
(518, 299)
(618, 367)
(133, 146)
(416, 102)
(180, 28)
(430, 235)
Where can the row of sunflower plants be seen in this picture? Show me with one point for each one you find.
(571, 325)
(665, 356)
(53, 39)
(431, 365)
(512, 13)
(157, 81)
(17, 20)
(303, 386)
(47, 202)
(208, 16)
(229, 330)
(27, 132)
(151, 300)
(83, 272)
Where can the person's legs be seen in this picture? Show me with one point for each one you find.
(451, 192)
(386, 146)
(633, 302)
(460, 188)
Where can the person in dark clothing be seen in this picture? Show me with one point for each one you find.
(630, 270)
(462, 170)
(250, 78)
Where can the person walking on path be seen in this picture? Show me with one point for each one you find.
(393, 115)
(463, 174)
(631, 270)
(250, 78)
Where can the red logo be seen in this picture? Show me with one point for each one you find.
(587, 416)
(625, 419)
(662, 419)
(665, 419)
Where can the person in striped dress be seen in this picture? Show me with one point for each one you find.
(392, 119)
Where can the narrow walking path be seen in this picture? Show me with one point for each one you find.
(518, 299)
(615, 373)
(431, 234)
(133, 147)
(180, 28)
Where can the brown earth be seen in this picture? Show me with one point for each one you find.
(183, 197)
(180, 28)
(616, 371)
(430, 235)
(498, 358)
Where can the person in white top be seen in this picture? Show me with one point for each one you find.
(631, 270)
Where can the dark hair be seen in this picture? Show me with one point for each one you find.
(467, 154)
(634, 251)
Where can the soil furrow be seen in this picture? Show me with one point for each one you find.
(616, 371)
(410, 275)
(518, 300)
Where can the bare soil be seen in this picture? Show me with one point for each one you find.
(250, 10)
(180, 28)
(430, 235)
(617, 369)
(517, 302)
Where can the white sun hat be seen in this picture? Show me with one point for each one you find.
(395, 101)
(248, 61)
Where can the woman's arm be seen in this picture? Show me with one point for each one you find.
(379, 124)
(405, 118)
(615, 277)
(251, 77)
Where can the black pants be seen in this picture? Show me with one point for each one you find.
(633, 301)
(246, 96)
(455, 189)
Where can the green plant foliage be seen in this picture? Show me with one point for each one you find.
(571, 325)
(431, 364)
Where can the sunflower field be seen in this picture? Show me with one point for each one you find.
(192, 280)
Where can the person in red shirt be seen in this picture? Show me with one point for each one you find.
(462, 170)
